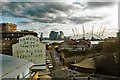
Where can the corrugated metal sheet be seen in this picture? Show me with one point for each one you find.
(12, 66)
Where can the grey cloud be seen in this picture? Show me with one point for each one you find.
(0, 7)
(102, 0)
(35, 10)
(39, 12)
(82, 5)
(80, 20)
(13, 9)
(96, 17)
(92, 5)
(46, 19)
(50, 20)
(24, 22)
(85, 19)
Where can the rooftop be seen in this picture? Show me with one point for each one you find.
(76, 42)
(12, 66)
(86, 63)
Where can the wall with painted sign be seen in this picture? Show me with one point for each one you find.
(30, 48)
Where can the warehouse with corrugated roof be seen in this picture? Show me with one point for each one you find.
(12, 67)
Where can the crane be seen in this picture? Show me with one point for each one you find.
(100, 31)
(83, 32)
(73, 32)
(97, 32)
(76, 31)
(92, 30)
(103, 31)
(92, 37)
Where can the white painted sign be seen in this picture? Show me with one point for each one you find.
(30, 48)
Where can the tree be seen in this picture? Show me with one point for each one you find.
(109, 47)
(106, 64)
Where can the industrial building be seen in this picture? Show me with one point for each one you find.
(61, 36)
(56, 35)
(73, 45)
(30, 48)
(93, 35)
(9, 37)
(5, 27)
(53, 35)
(16, 69)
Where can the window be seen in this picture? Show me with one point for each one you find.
(4, 43)
(18, 34)
(18, 78)
(13, 38)
(8, 35)
(40, 50)
(8, 44)
(8, 38)
(5, 38)
(31, 60)
(82, 48)
(40, 55)
(12, 34)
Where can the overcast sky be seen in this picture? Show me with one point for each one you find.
(44, 16)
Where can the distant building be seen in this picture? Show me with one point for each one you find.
(56, 35)
(15, 68)
(8, 27)
(41, 36)
(53, 35)
(73, 45)
(61, 36)
(95, 44)
(111, 39)
(30, 48)
(66, 37)
(9, 38)
(118, 36)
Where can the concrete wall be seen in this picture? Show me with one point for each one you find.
(30, 49)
